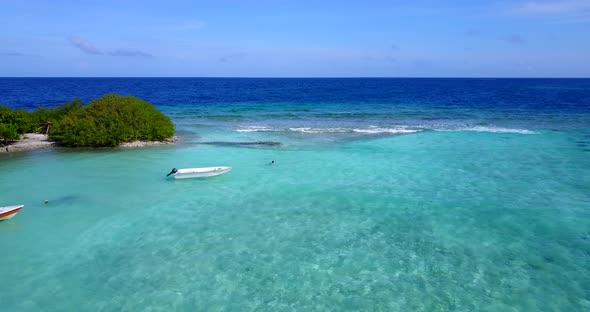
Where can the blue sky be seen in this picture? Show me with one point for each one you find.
(283, 38)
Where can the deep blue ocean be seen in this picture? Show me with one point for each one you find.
(385, 195)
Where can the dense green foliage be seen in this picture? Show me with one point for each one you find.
(14, 123)
(110, 121)
(107, 121)
(42, 115)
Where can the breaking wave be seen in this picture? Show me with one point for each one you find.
(490, 129)
(319, 130)
(386, 130)
(374, 130)
(315, 130)
(256, 129)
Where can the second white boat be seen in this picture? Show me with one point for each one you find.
(204, 172)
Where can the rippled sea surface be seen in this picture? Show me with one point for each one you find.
(384, 195)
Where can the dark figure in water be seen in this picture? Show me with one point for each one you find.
(173, 171)
(271, 163)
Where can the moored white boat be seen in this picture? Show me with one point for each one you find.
(8, 212)
(187, 173)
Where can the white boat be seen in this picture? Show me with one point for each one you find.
(8, 212)
(198, 172)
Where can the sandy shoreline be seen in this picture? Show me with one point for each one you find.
(35, 141)
(30, 141)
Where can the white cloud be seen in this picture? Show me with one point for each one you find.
(89, 48)
(84, 45)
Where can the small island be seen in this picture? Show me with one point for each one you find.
(110, 121)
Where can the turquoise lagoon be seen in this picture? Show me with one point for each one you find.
(405, 218)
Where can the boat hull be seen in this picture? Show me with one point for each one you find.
(200, 172)
(9, 212)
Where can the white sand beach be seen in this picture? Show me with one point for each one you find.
(29, 141)
(34, 141)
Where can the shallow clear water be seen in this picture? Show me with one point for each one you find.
(462, 213)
